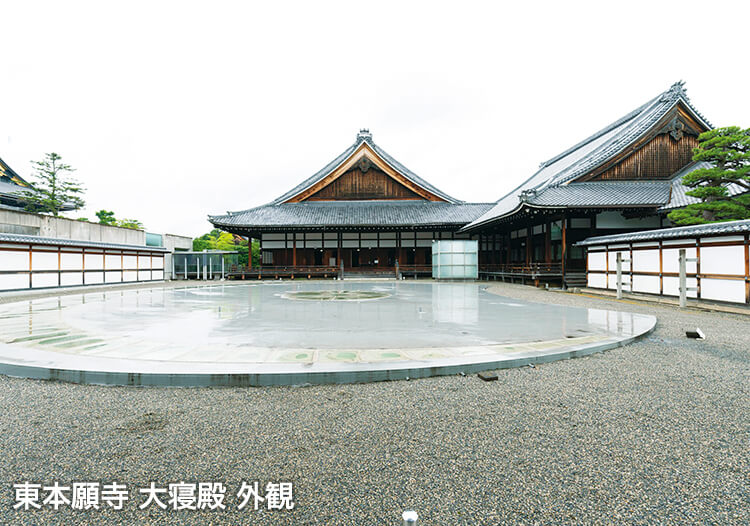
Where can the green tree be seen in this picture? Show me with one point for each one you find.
(728, 151)
(133, 224)
(218, 240)
(52, 190)
(106, 217)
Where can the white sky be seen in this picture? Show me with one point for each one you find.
(172, 111)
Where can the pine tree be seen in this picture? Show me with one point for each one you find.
(52, 190)
(728, 151)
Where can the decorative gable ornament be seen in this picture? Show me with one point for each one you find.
(676, 129)
(364, 164)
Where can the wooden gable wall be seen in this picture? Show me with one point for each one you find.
(659, 154)
(660, 158)
(369, 185)
(364, 176)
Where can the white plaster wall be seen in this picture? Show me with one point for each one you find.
(723, 260)
(113, 277)
(597, 281)
(648, 284)
(14, 281)
(69, 279)
(272, 244)
(129, 262)
(671, 261)
(93, 262)
(44, 280)
(113, 261)
(43, 260)
(70, 261)
(646, 260)
(14, 260)
(672, 286)
(612, 256)
(597, 260)
(723, 289)
(94, 278)
(616, 220)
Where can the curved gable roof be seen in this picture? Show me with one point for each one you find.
(363, 136)
(592, 152)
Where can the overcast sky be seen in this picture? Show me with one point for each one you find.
(171, 111)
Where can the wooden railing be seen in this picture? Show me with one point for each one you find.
(519, 269)
(290, 271)
(415, 270)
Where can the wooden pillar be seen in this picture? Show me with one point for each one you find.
(564, 254)
(339, 261)
(508, 249)
(661, 267)
(548, 242)
(698, 266)
(529, 243)
(31, 266)
(747, 268)
(606, 266)
(294, 249)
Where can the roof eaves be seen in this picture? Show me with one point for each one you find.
(475, 225)
(726, 227)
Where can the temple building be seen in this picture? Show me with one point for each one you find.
(363, 209)
(367, 210)
(623, 178)
(10, 184)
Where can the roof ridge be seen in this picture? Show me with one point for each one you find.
(678, 91)
(675, 94)
(740, 225)
(619, 122)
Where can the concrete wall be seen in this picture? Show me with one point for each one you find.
(14, 222)
(174, 242)
(25, 223)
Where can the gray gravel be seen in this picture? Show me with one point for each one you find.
(655, 432)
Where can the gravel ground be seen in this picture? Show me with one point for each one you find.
(655, 432)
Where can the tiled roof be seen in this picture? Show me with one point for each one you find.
(592, 152)
(14, 208)
(363, 136)
(711, 229)
(591, 194)
(8, 188)
(36, 240)
(7, 171)
(353, 214)
(680, 198)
